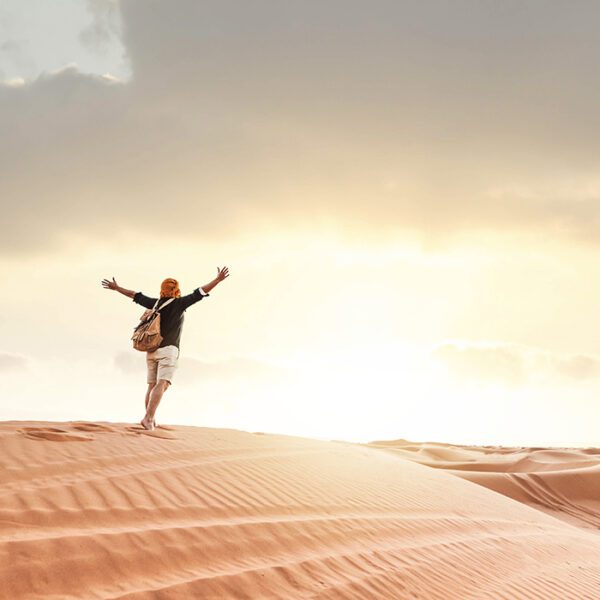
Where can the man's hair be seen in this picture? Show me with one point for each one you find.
(169, 288)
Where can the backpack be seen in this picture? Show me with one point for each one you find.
(146, 335)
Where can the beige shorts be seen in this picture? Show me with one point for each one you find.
(162, 363)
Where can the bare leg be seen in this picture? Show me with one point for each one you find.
(156, 395)
(150, 386)
(147, 401)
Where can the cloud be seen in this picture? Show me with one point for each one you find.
(191, 370)
(577, 368)
(242, 115)
(514, 365)
(104, 27)
(15, 53)
(495, 364)
(11, 362)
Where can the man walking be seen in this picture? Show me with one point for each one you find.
(162, 362)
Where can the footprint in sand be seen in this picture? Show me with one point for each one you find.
(89, 426)
(54, 434)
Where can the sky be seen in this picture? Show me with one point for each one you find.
(405, 193)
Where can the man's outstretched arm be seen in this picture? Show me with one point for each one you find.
(202, 292)
(113, 285)
(221, 274)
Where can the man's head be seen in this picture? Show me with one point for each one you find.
(169, 288)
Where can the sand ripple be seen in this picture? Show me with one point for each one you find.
(214, 513)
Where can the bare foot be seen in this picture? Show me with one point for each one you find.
(149, 425)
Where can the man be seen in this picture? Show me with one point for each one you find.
(162, 362)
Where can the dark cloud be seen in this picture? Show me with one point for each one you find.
(10, 362)
(388, 116)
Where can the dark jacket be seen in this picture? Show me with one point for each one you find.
(171, 317)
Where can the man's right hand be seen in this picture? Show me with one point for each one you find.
(113, 285)
(110, 285)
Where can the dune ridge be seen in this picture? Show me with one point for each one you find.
(107, 510)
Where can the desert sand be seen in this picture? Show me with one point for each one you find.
(107, 510)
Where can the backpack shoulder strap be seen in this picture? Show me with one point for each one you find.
(160, 307)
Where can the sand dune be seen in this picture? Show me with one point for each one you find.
(563, 482)
(189, 512)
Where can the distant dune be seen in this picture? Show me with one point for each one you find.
(563, 482)
(102, 510)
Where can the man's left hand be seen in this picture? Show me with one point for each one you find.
(222, 273)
